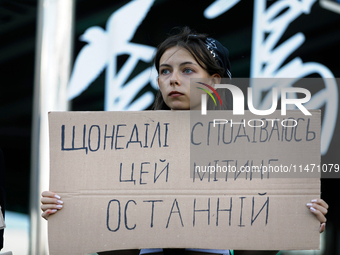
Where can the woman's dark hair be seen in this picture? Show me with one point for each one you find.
(195, 44)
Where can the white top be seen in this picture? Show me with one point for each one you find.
(223, 252)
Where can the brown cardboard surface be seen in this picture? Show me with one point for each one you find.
(128, 181)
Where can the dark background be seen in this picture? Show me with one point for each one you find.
(18, 21)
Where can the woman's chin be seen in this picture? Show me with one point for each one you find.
(176, 104)
(179, 107)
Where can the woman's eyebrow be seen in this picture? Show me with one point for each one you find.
(187, 62)
(181, 64)
(165, 65)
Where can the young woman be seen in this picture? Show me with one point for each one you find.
(179, 58)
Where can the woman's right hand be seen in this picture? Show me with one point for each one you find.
(50, 204)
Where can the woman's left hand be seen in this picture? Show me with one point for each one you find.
(320, 208)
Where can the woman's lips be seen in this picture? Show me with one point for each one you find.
(175, 94)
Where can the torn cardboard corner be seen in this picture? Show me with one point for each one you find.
(132, 180)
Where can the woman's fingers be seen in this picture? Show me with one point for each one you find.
(322, 209)
(50, 194)
(45, 207)
(322, 227)
(49, 200)
(47, 213)
(318, 214)
(50, 203)
(318, 205)
(322, 203)
(49, 197)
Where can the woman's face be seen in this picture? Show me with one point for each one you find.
(176, 67)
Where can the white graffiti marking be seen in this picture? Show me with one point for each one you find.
(268, 57)
(102, 51)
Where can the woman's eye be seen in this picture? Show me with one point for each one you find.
(187, 70)
(165, 71)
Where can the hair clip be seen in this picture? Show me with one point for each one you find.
(211, 45)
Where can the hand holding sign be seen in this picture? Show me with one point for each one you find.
(320, 208)
(50, 203)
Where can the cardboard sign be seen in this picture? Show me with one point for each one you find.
(140, 180)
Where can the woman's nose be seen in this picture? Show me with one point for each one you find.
(174, 79)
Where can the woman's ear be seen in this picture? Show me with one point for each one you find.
(158, 81)
(216, 78)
